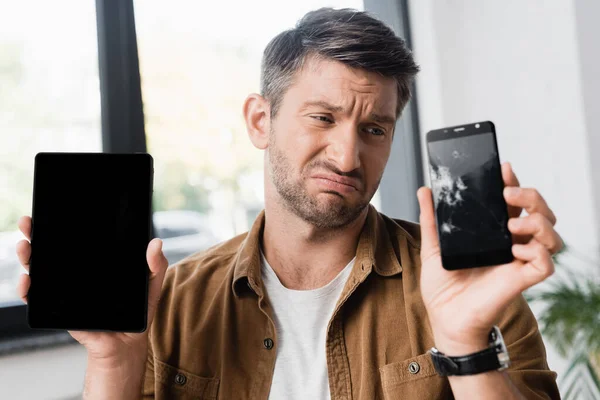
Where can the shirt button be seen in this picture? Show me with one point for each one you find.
(180, 379)
(268, 342)
(413, 367)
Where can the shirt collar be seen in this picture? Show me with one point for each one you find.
(375, 248)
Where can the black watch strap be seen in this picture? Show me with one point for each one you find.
(495, 357)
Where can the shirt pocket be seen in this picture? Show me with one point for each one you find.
(175, 383)
(414, 378)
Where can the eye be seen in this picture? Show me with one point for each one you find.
(322, 118)
(375, 131)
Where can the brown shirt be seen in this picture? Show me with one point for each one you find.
(213, 336)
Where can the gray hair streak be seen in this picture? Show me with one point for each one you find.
(352, 37)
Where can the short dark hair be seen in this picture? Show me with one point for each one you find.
(352, 37)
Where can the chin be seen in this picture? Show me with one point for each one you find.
(328, 201)
(332, 198)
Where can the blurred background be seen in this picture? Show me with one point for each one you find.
(170, 78)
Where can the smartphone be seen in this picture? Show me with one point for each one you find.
(470, 210)
(91, 225)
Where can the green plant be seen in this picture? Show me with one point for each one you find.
(570, 320)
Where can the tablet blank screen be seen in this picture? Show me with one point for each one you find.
(91, 227)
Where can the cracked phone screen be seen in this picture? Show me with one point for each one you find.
(467, 190)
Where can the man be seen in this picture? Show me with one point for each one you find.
(325, 297)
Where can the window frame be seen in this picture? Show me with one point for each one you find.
(404, 171)
(122, 129)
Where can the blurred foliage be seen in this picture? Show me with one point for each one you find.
(44, 106)
(571, 322)
(15, 183)
(193, 92)
(178, 193)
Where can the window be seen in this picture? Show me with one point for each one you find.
(198, 62)
(49, 101)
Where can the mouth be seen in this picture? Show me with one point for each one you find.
(337, 183)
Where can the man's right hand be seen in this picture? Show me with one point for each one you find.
(106, 349)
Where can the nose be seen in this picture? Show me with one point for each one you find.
(344, 148)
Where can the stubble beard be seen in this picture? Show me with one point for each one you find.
(328, 214)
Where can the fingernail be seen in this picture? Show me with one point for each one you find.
(511, 191)
(514, 223)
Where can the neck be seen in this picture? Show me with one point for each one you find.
(302, 256)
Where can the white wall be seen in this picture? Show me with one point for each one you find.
(587, 13)
(530, 67)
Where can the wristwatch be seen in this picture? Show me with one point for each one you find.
(494, 358)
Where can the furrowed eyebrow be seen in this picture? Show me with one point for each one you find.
(382, 119)
(323, 104)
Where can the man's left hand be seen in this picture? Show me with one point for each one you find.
(463, 305)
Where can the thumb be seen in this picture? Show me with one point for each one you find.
(429, 237)
(158, 267)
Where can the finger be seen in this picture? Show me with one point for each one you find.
(158, 266)
(429, 236)
(539, 228)
(521, 239)
(538, 263)
(508, 175)
(24, 224)
(510, 179)
(23, 287)
(529, 199)
(24, 253)
(156, 259)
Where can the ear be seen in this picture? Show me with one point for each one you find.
(257, 113)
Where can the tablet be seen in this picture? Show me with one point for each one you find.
(91, 225)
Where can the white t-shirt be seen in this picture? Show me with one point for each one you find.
(301, 318)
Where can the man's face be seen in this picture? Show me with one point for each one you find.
(330, 141)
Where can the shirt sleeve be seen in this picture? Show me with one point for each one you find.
(529, 369)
